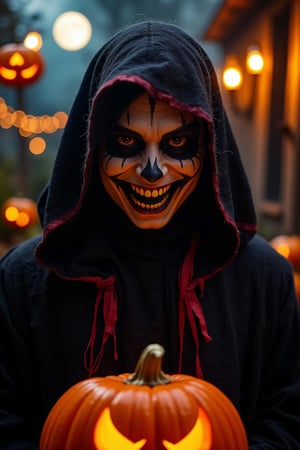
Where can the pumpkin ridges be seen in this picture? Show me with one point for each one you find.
(140, 409)
(92, 403)
(235, 424)
(198, 389)
(225, 412)
(171, 404)
(140, 415)
(56, 431)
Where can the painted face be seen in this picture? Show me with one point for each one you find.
(151, 161)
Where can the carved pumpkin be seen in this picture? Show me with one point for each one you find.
(20, 212)
(288, 246)
(19, 65)
(146, 410)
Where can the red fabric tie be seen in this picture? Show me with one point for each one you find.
(105, 291)
(189, 306)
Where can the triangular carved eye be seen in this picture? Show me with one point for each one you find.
(107, 437)
(16, 59)
(29, 72)
(199, 438)
(8, 74)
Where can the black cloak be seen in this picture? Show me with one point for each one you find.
(88, 295)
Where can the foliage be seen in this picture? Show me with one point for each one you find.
(15, 22)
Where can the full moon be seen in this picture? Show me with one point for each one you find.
(72, 31)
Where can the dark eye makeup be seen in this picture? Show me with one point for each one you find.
(181, 143)
(124, 143)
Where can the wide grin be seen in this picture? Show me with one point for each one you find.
(146, 200)
(149, 199)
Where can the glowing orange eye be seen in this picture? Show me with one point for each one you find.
(199, 438)
(107, 437)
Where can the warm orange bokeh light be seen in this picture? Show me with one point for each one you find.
(284, 250)
(289, 247)
(3, 108)
(62, 118)
(33, 40)
(29, 124)
(23, 219)
(20, 212)
(11, 213)
(255, 61)
(37, 145)
(297, 285)
(232, 78)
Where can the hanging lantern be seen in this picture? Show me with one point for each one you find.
(19, 65)
(20, 212)
(147, 410)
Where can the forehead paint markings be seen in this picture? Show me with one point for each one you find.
(152, 103)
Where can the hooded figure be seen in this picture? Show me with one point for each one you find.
(149, 236)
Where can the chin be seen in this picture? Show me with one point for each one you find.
(149, 222)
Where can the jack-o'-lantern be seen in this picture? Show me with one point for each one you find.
(147, 410)
(288, 246)
(20, 212)
(20, 65)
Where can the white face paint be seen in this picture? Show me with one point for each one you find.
(151, 161)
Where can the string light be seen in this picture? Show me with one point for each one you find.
(33, 40)
(29, 124)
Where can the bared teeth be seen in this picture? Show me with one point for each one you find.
(150, 193)
(150, 199)
(149, 206)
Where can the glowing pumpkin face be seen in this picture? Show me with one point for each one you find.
(20, 212)
(107, 437)
(288, 246)
(19, 65)
(147, 410)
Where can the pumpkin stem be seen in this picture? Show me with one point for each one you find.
(148, 369)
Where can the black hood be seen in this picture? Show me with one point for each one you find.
(170, 65)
